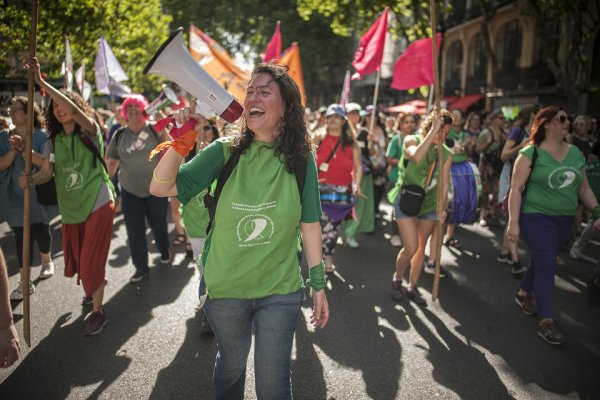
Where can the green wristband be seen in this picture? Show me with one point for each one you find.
(316, 277)
(596, 212)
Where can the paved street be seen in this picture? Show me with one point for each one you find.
(474, 343)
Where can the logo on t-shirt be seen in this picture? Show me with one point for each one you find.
(562, 177)
(254, 230)
(74, 178)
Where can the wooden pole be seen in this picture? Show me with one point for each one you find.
(375, 95)
(25, 273)
(440, 185)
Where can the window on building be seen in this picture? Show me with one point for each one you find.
(546, 43)
(508, 47)
(477, 58)
(454, 63)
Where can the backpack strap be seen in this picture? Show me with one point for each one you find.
(91, 147)
(211, 200)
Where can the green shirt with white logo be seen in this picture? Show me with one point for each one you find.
(251, 251)
(459, 137)
(416, 173)
(553, 187)
(79, 177)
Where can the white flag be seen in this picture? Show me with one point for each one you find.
(67, 69)
(109, 73)
(84, 87)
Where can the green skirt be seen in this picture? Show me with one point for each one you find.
(364, 209)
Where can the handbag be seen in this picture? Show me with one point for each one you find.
(505, 199)
(46, 193)
(412, 196)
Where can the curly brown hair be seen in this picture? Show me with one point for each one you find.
(426, 124)
(293, 144)
(55, 127)
(38, 118)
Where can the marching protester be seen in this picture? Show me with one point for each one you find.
(253, 275)
(518, 138)
(84, 191)
(552, 173)
(340, 177)
(9, 340)
(489, 145)
(128, 152)
(415, 203)
(364, 220)
(12, 165)
(473, 128)
(378, 141)
(405, 126)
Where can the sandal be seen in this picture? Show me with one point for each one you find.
(180, 239)
(189, 253)
(452, 242)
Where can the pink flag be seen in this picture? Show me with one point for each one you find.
(345, 98)
(369, 54)
(273, 50)
(414, 68)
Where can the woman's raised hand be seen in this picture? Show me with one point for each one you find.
(187, 113)
(33, 65)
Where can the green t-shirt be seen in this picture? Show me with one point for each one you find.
(416, 174)
(194, 216)
(394, 150)
(79, 176)
(459, 137)
(553, 187)
(251, 252)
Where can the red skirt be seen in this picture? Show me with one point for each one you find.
(85, 247)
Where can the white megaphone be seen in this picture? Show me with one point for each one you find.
(166, 98)
(174, 61)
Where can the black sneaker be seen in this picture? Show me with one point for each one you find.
(516, 269)
(526, 303)
(165, 258)
(397, 292)
(138, 276)
(415, 297)
(504, 258)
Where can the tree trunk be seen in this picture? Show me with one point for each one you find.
(492, 60)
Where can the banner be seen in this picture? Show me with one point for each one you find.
(414, 67)
(367, 58)
(109, 73)
(273, 50)
(218, 63)
(291, 58)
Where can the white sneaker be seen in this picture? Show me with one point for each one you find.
(395, 241)
(576, 250)
(17, 294)
(329, 267)
(47, 270)
(352, 243)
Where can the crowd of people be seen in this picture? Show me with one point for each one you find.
(322, 179)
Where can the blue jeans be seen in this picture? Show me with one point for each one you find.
(135, 211)
(274, 319)
(544, 235)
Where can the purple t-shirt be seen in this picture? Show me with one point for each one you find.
(517, 134)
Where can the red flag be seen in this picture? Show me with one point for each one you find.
(273, 50)
(369, 54)
(414, 68)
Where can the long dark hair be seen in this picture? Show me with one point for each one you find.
(38, 118)
(525, 115)
(293, 144)
(55, 127)
(538, 132)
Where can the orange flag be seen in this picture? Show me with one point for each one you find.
(218, 63)
(291, 58)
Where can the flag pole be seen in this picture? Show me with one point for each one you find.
(375, 94)
(440, 186)
(25, 273)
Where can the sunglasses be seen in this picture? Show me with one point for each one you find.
(563, 119)
(207, 128)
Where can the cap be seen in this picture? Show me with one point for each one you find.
(322, 109)
(369, 108)
(495, 114)
(350, 107)
(335, 109)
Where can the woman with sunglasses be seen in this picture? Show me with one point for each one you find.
(418, 167)
(554, 176)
